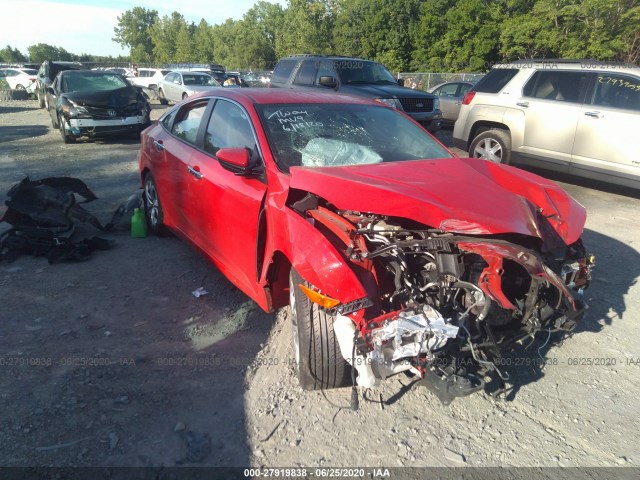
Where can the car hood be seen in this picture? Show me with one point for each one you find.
(383, 91)
(459, 195)
(106, 99)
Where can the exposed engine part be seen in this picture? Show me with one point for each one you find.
(410, 335)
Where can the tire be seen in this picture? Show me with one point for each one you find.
(40, 101)
(152, 207)
(161, 97)
(319, 361)
(20, 88)
(184, 96)
(63, 132)
(493, 145)
(54, 123)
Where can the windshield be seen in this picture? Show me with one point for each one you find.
(29, 71)
(202, 79)
(91, 82)
(319, 135)
(359, 71)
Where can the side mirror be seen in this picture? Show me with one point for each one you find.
(328, 81)
(235, 157)
(238, 160)
(401, 82)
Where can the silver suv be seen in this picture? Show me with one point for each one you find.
(578, 117)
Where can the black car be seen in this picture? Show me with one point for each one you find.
(360, 78)
(46, 73)
(96, 103)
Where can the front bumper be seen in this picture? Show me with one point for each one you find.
(86, 126)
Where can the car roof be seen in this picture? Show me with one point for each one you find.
(95, 73)
(266, 96)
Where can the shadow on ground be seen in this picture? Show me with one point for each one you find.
(617, 270)
(11, 133)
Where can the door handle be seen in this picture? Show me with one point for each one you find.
(158, 144)
(593, 114)
(194, 171)
(523, 104)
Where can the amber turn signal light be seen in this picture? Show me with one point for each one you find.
(319, 298)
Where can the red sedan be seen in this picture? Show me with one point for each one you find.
(392, 254)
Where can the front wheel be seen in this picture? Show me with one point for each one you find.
(63, 131)
(319, 361)
(493, 145)
(40, 100)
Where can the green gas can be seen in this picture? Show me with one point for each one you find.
(138, 224)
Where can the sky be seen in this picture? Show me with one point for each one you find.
(86, 26)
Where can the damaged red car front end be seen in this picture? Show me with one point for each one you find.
(393, 255)
(450, 281)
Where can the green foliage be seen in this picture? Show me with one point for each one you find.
(133, 31)
(11, 55)
(40, 52)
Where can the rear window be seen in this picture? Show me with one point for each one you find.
(283, 71)
(495, 80)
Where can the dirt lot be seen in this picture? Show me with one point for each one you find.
(113, 362)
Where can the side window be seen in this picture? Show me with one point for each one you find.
(448, 90)
(554, 85)
(228, 127)
(325, 69)
(188, 121)
(171, 77)
(617, 91)
(168, 119)
(283, 70)
(306, 74)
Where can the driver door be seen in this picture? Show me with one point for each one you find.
(226, 205)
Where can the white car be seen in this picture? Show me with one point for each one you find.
(149, 77)
(177, 86)
(19, 78)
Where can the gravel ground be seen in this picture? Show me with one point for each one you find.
(113, 362)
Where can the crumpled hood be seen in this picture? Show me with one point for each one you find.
(105, 99)
(370, 90)
(458, 195)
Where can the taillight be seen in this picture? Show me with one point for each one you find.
(468, 97)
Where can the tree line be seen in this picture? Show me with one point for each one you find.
(405, 35)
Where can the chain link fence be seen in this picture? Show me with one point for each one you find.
(424, 81)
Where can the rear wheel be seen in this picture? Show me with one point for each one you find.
(41, 101)
(184, 96)
(493, 145)
(162, 98)
(152, 206)
(318, 358)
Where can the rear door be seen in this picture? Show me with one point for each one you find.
(608, 134)
(552, 103)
